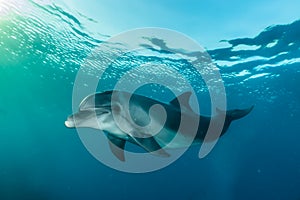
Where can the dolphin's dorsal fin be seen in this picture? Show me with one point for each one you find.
(184, 98)
(116, 146)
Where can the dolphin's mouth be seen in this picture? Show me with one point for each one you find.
(70, 123)
(84, 116)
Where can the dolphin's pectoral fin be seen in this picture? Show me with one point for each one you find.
(151, 145)
(117, 146)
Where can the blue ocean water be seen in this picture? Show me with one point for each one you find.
(42, 46)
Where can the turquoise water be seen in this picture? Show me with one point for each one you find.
(42, 46)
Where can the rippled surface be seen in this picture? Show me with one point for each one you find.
(42, 46)
(48, 37)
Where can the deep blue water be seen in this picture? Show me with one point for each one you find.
(41, 49)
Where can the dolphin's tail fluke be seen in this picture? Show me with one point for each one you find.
(237, 113)
(232, 115)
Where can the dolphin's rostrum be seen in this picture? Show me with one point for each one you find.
(99, 111)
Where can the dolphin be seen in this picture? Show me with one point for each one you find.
(100, 111)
